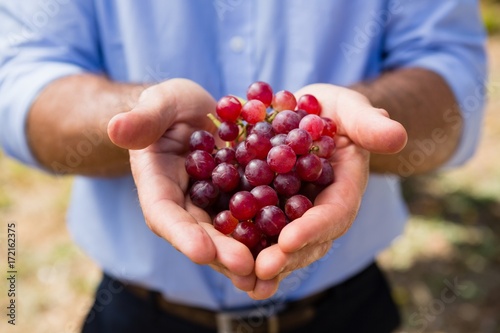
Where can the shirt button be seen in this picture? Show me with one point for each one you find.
(237, 44)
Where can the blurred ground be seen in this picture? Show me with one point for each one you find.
(445, 269)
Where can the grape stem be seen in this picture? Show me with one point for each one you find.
(214, 120)
(242, 100)
(243, 132)
(271, 116)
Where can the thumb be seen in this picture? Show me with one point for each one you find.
(146, 122)
(372, 129)
(368, 127)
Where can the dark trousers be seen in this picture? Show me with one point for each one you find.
(361, 304)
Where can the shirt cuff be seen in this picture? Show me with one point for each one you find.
(21, 90)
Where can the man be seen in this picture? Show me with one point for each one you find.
(111, 90)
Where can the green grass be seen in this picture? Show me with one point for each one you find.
(5, 200)
(491, 16)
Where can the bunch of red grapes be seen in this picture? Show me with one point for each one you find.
(275, 161)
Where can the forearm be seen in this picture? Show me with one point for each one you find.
(424, 104)
(66, 126)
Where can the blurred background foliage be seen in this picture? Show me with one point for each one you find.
(491, 15)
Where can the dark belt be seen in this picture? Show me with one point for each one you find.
(271, 318)
(261, 319)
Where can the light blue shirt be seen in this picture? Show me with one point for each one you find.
(224, 46)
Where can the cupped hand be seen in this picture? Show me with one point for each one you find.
(362, 129)
(156, 132)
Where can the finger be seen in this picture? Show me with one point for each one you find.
(233, 259)
(244, 283)
(317, 225)
(231, 254)
(369, 127)
(163, 203)
(264, 289)
(146, 122)
(272, 262)
(181, 230)
(336, 206)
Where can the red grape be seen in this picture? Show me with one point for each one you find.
(243, 205)
(244, 154)
(203, 193)
(264, 129)
(309, 103)
(287, 184)
(270, 220)
(296, 206)
(258, 144)
(327, 175)
(309, 167)
(245, 184)
(226, 177)
(225, 222)
(285, 121)
(228, 108)
(281, 159)
(261, 91)
(313, 124)
(284, 100)
(299, 140)
(225, 155)
(310, 190)
(258, 173)
(324, 147)
(228, 131)
(301, 113)
(330, 127)
(201, 140)
(253, 111)
(247, 233)
(278, 139)
(265, 196)
(200, 164)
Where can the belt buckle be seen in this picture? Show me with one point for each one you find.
(240, 321)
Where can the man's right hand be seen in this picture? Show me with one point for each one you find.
(157, 132)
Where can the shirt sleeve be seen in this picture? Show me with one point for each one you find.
(447, 37)
(39, 43)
